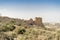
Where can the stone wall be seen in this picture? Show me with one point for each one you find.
(30, 21)
(38, 21)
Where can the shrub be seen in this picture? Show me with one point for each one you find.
(21, 31)
(10, 27)
(5, 37)
(6, 27)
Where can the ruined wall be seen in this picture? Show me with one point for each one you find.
(38, 21)
(30, 21)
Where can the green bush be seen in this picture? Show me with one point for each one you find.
(21, 31)
(6, 27)
(5, 37)
(10, 27)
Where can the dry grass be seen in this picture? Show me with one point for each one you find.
(35, 34)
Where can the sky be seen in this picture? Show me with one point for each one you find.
(49, 10)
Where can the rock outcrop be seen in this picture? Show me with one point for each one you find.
(30, 21)
(20, 22)
(38, 21)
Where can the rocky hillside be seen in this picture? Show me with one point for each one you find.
(20, 29)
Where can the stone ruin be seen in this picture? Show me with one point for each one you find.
(37, 21)
(30, 21)
(21, 22)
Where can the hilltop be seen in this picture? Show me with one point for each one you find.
(20, 29)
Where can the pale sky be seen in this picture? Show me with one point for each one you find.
(49, 10)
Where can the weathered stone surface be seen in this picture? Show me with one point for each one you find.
(38, 21)
(30, 22)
